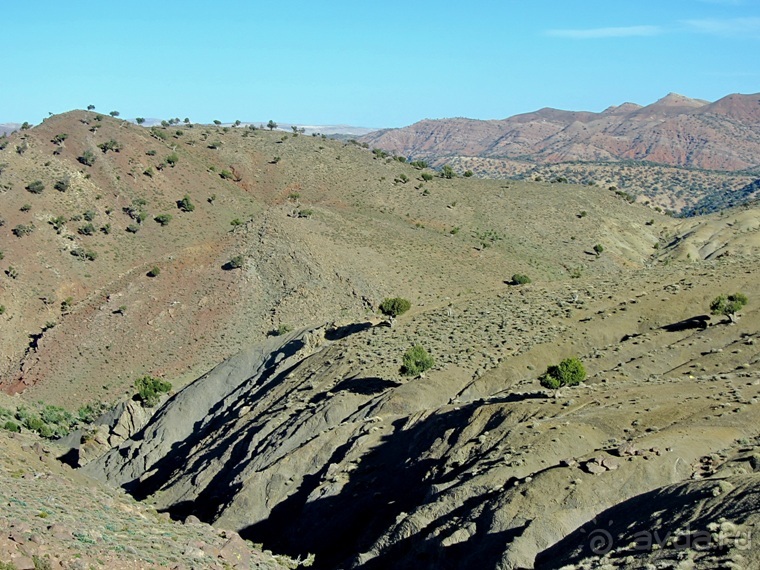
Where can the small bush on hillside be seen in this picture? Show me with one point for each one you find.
(236, 262)
(23, 230)
(89, 215)
(281, 330)
(2, 309)
(395, 306)
(86, 230)
(36, 187)
(133, 228)
(520, 279)
(149, 390)
(598, 249)
(87, 158)
(58, 223)
(468, 173)
(62, 185)
(172, 159)
(155, 271)
(728, 305)
(82, 253)
(447, 172)
(111, 145)
(569, 372)
(426, 176)
(163, 219)
(13, 427)
(415, 361)
(186, 204)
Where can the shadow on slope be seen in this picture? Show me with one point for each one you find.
(337, 521)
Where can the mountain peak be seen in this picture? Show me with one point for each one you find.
(677, 100)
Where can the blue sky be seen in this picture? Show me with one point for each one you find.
(375, 64)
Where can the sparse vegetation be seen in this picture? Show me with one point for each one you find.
(111, 145)
(87, 158)
(598, 249)
(415, 361)
(23, 230)
(163, 219)
(154, 271)
(150, 390)
(172, 159)
(393, 307)
(86, 254)
(62, 185)
(281, 330)
(520, 279)
(569, 372)
(447, 172)
(236, 262)
(728, 305)
(35, 187)
(186, 205)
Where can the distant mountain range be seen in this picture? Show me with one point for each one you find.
(676, 130)
(6, 128)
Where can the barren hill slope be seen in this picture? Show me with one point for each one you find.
(311, 440)
(325, 231)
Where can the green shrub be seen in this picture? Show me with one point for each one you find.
(86, 230)
(186, 204)
(598, 249)
(468, 173)
(2, 309)
(172, 159)
(163, 219)
(23, 230)
(569, 372)
(415, 361)
(90, 412)
(236, 262)
(447, 172)
(155, 271)
(728, 305)
(12, 427)
(395, 306)
(58, 222)
(226, 175)
(89, 215)
(109, 145)
(519, 279)
(35, 187)
(82, 253)
(62, 185)
(426, 176)
(149, 390)
(87, 158)
(281, 330)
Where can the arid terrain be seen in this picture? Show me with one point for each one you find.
(678, 154)
(246, 267)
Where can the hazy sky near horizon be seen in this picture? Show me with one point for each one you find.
(373, 64)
